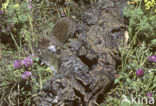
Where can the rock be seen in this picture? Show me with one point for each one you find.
(87, 66)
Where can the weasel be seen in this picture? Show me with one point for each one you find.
(63, 29)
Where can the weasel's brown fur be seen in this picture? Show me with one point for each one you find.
(63, 29)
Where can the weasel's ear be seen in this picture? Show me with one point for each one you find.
(52, 48)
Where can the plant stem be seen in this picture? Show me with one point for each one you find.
(13, 38)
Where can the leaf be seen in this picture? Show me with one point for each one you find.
(144, 24)
(51, 24)
(153, 42)
(132, 12)
(116, 81)
(23, 18)
(14, 20)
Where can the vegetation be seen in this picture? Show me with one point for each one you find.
(22, 75)
(136, 78)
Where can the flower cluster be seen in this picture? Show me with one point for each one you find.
(1, 12)
(29, 5)
(139, 72)
(16, 6)
(149, 95)
(152, 58)
(17, 64)
(149, 4)
(26, 75)
(27, 62)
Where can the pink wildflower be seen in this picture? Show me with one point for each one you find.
(29, 5)
(152, 58)
(27, 62)
(149, 95)
(139, 72)
(26, 75)
(17, 64)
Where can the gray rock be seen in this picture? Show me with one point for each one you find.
(87, 66)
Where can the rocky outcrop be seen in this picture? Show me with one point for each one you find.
(87, 65)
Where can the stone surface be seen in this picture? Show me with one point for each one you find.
(87, 65)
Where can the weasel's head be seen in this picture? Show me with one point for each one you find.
(45, 44)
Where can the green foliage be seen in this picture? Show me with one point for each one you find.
(17, 13)
(16, 20)
(136, 59)
(142, 23)
(19, 89)
(142, 43)
(139, 21)
(153, 43)
(128, 83)
(24, 25)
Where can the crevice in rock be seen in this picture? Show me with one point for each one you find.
(90, 63)
(101, 97)
(81, 96)
(71, 103)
